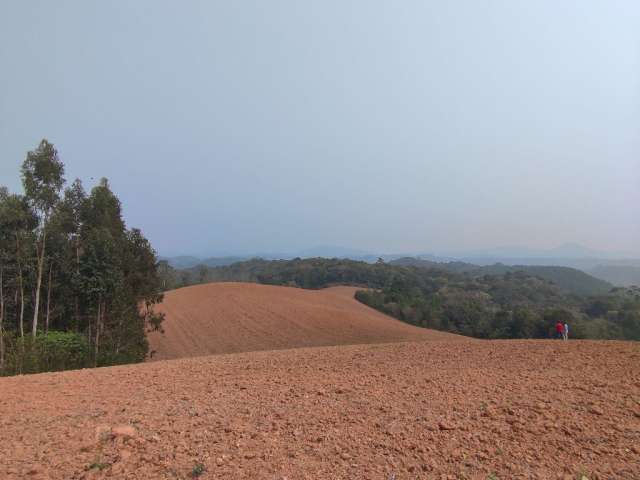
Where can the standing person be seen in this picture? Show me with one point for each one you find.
(565, 331)
(559, 330)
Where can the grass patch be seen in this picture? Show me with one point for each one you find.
(197, 470)
(98, 466)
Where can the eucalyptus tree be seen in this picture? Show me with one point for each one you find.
(69, 219)
(42, 179)
(3, 255)
(17, 222)
(120, 280)
(100, 278)
(91, 281)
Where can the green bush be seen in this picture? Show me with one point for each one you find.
(48, 352)
(62, 351)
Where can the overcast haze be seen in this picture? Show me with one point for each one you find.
(253, 126)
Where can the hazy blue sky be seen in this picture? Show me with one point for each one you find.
(238, 126)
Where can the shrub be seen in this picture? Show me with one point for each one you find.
(62, 351)
(198, 470)
(52, 351)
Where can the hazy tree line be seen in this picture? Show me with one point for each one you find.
(310, 273)
(77, 288)
(569, 279)
(499, 307)
(513, 304)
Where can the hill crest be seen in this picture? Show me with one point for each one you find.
(233, 317)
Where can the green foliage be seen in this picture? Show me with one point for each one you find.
(571, 280)
(62, 350)
(568, 279)
(71, 268)
(47, 352)
(312, 273)
(43, 177)
(15, 214)
(197, 470)
(511, 304)
(622, 275)
(98, 466)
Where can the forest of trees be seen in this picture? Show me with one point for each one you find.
(569, 279)
(513, 305)
(509, 304)
(77, 288)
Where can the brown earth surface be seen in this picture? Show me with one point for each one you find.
(243, 317)
(428, 410)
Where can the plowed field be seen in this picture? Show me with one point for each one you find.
(242, 317)
(419, 410)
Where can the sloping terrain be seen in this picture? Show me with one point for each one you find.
(241, 317)
(619, 275)
(569, 279)
(420, 410)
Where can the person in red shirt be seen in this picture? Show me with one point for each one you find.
(559, 329)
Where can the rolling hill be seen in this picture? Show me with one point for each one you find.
(239, 317)
(619, 275)
(569, 279)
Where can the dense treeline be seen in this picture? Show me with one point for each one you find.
(569, 279)
(310, 273)
(513, 304)
(494, 307)
(77, 288)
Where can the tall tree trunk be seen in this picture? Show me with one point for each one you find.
(21, 283)
(97, 339)
(46, 323)
(1, 320)
(21, 306)
(77, 309)
(21, 321)
(118, 332)
(89, 330)
(36, 307)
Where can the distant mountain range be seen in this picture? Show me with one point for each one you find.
(611, 267)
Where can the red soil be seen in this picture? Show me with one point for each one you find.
(427, 410)
(243, 317)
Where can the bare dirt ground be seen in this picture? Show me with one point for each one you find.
(243, 317)
(428, 410)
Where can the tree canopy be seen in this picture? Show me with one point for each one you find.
(69, 263)
(510, 303)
